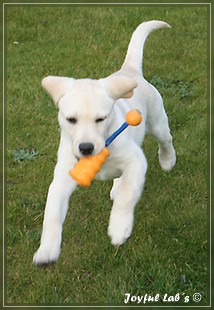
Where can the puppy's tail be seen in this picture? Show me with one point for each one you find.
(134, 54)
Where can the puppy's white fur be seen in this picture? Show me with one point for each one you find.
(89, 111)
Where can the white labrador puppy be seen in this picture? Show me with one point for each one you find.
(90, 111)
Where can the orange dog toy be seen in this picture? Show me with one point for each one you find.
(85, 170)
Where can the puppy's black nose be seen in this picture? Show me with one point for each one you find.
(86, 148)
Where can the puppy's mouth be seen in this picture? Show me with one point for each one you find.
(94, 152)
(83, 156)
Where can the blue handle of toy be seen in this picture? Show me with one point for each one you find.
(116, 133)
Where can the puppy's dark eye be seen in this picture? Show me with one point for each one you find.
(100, 119)
(72, 120)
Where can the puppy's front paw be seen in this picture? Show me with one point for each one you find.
(46, 255)
(120, 226)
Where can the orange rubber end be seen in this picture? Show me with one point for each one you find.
(133, 118)
(85, 170)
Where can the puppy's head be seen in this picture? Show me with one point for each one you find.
(85, 108)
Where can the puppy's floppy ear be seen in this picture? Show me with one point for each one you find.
(119, 86)
(56, 86)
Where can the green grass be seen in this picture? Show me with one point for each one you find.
(167, 252)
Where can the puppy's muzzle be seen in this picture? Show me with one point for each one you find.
(86, 148)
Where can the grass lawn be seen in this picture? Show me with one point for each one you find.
(167, 252)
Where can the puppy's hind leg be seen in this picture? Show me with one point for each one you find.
(166, 152)
(158, 127)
